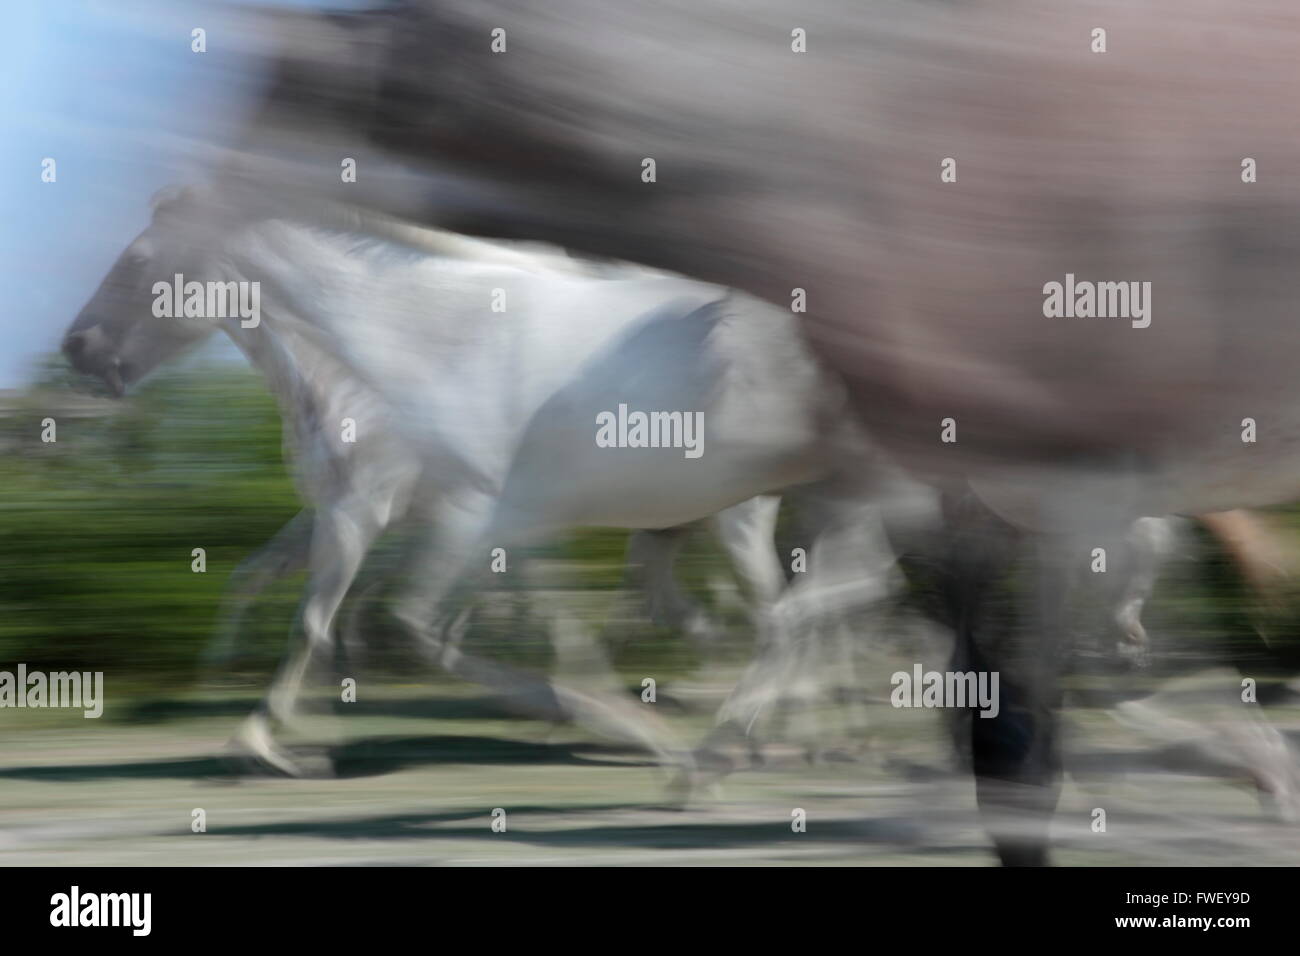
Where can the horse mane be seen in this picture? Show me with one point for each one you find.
(250, 204)
(442, 242)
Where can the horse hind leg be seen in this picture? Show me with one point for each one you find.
(651, 557)
(1149, 543)
(747, 532)
(801, 624)
(1222, 734)
(436, 614)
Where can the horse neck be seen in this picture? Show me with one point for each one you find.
(266, 252)
(301, 264)
(295, 347)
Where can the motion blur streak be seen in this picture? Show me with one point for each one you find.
(982, 321)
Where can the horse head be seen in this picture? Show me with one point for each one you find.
(119, 336)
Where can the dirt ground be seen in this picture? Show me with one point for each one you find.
(419, 769)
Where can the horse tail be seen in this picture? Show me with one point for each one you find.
(1266, 562)
(1257, 549)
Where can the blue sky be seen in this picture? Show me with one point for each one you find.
(111, 90)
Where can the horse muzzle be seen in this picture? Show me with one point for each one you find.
(81, 350)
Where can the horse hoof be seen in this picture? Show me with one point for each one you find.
(836, 755)
(1133, 656)
(253, 747)
(242, 762)
(689, 784)
(680, 790)
(1282, 805)
(1023, 855)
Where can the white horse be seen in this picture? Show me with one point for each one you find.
(553, 476)
(478, 425)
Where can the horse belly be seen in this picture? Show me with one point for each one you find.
(648, 488)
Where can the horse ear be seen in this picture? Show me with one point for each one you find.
(172, 194)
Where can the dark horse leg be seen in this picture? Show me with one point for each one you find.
(1014, 754)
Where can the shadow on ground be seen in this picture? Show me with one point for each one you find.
(654, 834)
(370, 757)
(484, 707)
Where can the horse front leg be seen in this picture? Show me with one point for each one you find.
(286, 553)
(436, 613)
(1015, 753)
(341, 536)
